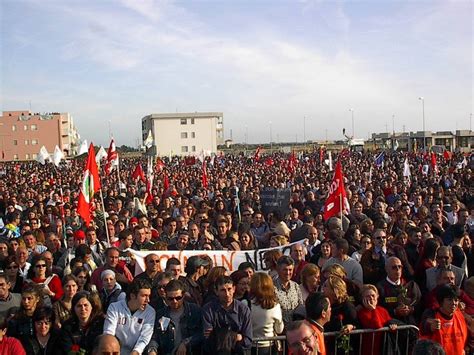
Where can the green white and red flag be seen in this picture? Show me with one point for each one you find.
(90, 185)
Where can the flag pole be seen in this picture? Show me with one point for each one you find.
(340, 206)
(103, 213)
(63, 219)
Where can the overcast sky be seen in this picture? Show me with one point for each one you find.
(255, 61)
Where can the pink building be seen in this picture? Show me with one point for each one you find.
(22, 134)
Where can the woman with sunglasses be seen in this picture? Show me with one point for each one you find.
(13, 274)
(62, 308)
(41, 275)
(45, 340)
(86, 323)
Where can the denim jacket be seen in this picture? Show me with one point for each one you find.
(191, 330)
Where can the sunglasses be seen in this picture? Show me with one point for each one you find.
(177, 298)
(40, 266)
(380, 238)
(154, 261)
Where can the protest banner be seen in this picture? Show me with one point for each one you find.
(275, 199)
(228, 258)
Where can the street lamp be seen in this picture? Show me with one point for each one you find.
(422, 99)
(352, 113)
(271, 139)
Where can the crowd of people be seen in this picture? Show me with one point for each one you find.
(400, 254)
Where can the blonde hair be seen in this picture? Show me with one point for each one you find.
(279, 240)
(308, 271)
(336, 270)
(368, 287)
(339, 288)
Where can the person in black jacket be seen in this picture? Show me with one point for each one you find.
(22, 322)
(86, 323)
(178, 326)
(45, 339)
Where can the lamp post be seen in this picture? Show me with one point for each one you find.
(271, 139)
(422, 99)
(352, 113)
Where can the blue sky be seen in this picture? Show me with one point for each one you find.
(256, 61)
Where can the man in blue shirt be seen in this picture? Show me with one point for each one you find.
(227, 323)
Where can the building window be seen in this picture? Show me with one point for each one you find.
(463, 142)
(184, 121)
(184, 134)
(14, 128)
(193, 134)
(27, 156)
(192, 120)
(35, 156)
(15, 156)
(193, 149)
(26, 141)
(25, 127)
(34, 142)
(184, 149)
(15, 142)
(34, 127)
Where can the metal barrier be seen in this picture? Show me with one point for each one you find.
(361, 337)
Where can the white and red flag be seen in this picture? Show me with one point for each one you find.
(257, 154)
(336, 202)
(112, 158)
(90, 185)
(204, 174)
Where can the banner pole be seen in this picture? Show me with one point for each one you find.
(103, 213)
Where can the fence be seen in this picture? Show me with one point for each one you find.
(360, 341)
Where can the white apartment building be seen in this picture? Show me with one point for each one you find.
(184, 133)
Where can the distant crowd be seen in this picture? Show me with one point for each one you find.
(400, 254)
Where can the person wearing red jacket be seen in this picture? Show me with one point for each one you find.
(372, 316)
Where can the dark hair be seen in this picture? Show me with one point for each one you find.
(446, 291)
(223, 280)
(285, 260)
(429, 249)
(238, 275)
(43, 313)
(175, 285)
(108, 250)
(428, 347)
(172, 261)
(342, 244)
(96, 311)
(69, 277)
(245, 265)
(315, 304)
(137, 285)
(77, 271)
(125, 233)
(34, 261)
(164, 275)
(83, 250)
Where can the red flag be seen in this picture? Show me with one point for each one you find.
(149, 184)
(257, 154)
(138, 173)
(292, 163)
(189, 161)
(159, 164)
(337, 193)
(90, 185)
(204, 174)
(166, 181)
(321, 156)
(434, 163)
(269, 161)
(447, 155)
(112, 158)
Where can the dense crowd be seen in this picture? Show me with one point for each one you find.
(401, 254)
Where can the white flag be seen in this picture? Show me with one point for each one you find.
(395, 146)
(406, 169)
(149, 140)
(57, 156)
(330, 161)
(84, 148)
(101, 154)
(43, 155)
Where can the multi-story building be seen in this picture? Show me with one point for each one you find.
(184, 133)
(22, 133)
